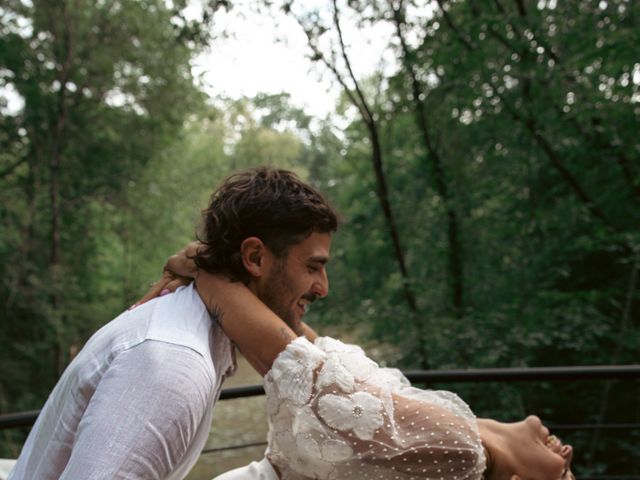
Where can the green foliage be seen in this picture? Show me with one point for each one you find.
(530, 109)
(533, 116)
(105, 87)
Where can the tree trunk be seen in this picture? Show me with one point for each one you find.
(62, 27)
(454, 247)
(357, 98)
(383, 197)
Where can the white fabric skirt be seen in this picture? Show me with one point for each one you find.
(261, 470)
(5, 467)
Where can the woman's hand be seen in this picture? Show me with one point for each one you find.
(167, 283)
(179, 270)
(181, 264)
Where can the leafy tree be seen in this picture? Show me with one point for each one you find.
(530, 110)
(105, 86)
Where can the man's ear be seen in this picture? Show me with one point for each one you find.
(253, 252)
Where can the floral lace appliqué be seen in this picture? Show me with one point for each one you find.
(360, 412)
(334, 373)
(335, 414)
(332, 345)
(308, 456)
(293, 371)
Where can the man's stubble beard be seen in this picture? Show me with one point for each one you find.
(278, 287)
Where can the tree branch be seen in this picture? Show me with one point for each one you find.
(359, 101)
(461, 37)
(12, 167)
(319, 56)
(546, 147)
(454, 260)
(343, 50)
(522, 10)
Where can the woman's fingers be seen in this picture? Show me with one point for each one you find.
(182, 263)
(176, 283)
(179, 270)
(168, 283)
(155, 289)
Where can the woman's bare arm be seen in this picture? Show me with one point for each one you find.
(259, 334)
(308, 332)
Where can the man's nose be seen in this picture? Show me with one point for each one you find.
(320, 287)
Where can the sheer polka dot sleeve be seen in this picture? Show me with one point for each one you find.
(335, 414)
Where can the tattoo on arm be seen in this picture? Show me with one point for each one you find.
(216, 313)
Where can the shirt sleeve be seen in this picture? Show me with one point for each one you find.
(143, 415)
(334, 413)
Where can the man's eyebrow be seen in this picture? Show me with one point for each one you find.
(319, 259)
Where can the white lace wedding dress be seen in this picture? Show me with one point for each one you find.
(335, 414)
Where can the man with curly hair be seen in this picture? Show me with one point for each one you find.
(137, 401)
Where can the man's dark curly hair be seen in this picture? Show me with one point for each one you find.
(271, 204)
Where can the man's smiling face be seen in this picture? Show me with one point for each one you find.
(297, 279)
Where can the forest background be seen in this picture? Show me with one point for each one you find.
(490, 185)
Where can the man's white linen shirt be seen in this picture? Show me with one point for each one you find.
(137, 401)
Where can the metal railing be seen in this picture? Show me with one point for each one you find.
(608, 372)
